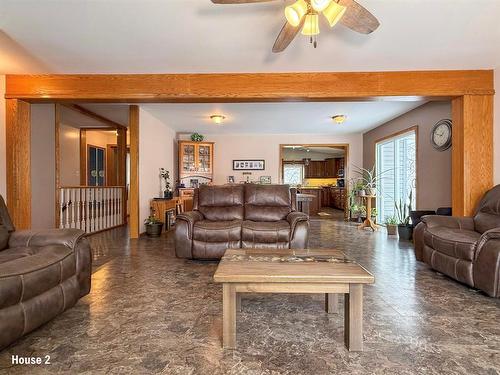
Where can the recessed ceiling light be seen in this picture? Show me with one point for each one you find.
(339, 119)
(217, 119)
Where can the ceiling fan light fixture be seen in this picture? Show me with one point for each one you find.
(320, 5)
(295, 12)
(217, 119)
(311, 25)
(334, 12)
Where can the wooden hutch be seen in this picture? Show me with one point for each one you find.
(196, 160)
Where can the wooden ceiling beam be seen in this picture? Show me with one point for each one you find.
(84, 111)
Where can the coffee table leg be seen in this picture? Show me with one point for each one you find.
(331, 303)
(353, 318)
(228, 316)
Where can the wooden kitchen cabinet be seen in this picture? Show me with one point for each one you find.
(196, 158)
(315, 205)
(327, 168)
(337, 198)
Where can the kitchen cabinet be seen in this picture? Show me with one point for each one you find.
(326, 197)
(327, 168)
(196, 159)
(337, 198)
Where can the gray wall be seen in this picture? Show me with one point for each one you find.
(43, 176)
(433, 167)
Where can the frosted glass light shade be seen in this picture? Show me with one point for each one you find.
(311, 25)
(295, 12)
(320, 5)
(334, 13)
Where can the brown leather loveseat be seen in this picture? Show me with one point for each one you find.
(465, 248)
(42, 273)
(240, 216)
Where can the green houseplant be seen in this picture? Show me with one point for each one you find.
(369, 179)
(153, 226)
(197, 137)
(391, 223)
(403, 208)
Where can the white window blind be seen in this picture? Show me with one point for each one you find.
(396, 159)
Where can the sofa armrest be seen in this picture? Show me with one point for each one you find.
(295, 217)
(72, 238)
(465, 223)
(486, 267)
(190, 218)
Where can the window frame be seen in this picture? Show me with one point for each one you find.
(395, 136)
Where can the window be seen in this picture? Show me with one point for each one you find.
(396, 159)
(293, 174)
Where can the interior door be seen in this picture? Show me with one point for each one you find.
(96, 175)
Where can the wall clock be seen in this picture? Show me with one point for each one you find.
(441, 135)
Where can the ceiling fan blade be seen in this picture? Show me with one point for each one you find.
(357, 18)
(239, 1)
(286, 35)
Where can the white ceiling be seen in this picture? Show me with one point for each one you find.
(278, 118)
(117, 113)
(162, 36)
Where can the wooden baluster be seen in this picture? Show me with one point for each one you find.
(84, 210)
(61, 211)
(68, 198)
(106, 208)
(120, 207)
(92, 210)
(113, 215)
(72, 205)
(99, 210)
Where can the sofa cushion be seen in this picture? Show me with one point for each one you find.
(217, 231)
(457, 243)
(266, 231)
(27, 272)
(221, 203)
(4, 237)
(267, 202)
(488, 212)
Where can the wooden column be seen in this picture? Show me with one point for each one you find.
(121, 164)
(18, 140)
(472, 151)
(83, 157)
(134, 171)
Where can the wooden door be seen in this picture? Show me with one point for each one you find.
(96, 166)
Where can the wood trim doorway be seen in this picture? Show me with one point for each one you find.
(471, 92)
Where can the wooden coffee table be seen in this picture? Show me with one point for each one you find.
(294, 271)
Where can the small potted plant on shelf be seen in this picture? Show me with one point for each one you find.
(197, 137)
(403, 209)
(153, 226)
(167, 191)
(391, 223)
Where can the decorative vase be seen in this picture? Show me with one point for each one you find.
(154, 229)
(167, 194)
(392, 229)
(405, 232)
(370, 191)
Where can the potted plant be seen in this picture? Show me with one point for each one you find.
(374, 215)
(403, 209)
(369, 179)
(197, 137)
(391, 224)
(167, 191)
(153, 226)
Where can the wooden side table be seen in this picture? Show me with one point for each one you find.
(368, 223)
(159, 207)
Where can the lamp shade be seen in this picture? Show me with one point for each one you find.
(295, 12)
(334, 13)
(311, 25)
(320, 5)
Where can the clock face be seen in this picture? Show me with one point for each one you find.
(441, 135)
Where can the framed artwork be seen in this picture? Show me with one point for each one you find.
(265, 180)
(249, 165)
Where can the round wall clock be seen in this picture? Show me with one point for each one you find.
(441, 135)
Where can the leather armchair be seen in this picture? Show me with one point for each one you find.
(240, 216)
(42, 273)
(465, 248)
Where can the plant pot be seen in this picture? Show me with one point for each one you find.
(370, 191)
(361, 193)
(154, 230)
(405, 232)
(392, 229)
(168, 194)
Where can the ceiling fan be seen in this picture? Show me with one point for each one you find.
(303, 15)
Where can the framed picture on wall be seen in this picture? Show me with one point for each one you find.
(249, 165)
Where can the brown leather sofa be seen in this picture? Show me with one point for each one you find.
(240, 216)
(465, 248)
(42, 273)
